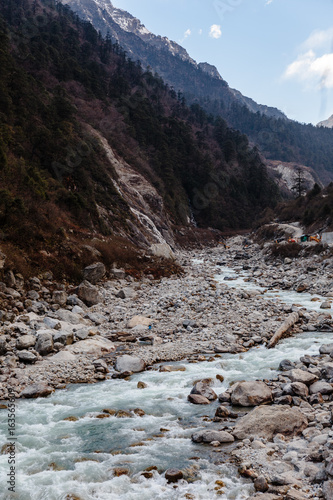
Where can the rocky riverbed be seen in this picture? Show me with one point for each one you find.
(51, 336)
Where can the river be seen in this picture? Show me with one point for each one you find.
(59, 459)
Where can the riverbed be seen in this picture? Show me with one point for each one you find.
(60, 459)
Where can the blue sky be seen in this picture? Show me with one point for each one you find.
(279, 52)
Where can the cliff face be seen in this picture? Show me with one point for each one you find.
(150, 222)
(285, 175)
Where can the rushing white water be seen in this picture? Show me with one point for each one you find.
(57, 458)
(46, 442)
(239, 280)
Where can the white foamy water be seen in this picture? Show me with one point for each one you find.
(58, 458)
(289, 297)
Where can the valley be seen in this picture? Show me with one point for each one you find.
(165, 292)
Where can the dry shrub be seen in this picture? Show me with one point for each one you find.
(195, 237)
(68, 257)
(17, 260)
(310, 250)
(34, 263)
(118, 252)
(268, 232)
(291, 250)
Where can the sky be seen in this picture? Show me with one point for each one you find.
(278, 52)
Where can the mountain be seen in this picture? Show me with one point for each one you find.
(278, 138)
(167, 58)
(99, 157)
(326, 123)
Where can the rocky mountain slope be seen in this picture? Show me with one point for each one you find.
(285, 175)
(168, 58)
(279, 139)
(326, 123)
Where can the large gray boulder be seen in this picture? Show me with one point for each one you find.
(202, 389)
(97, 346)
(81, 334)
(128, 363)
(88, 293)
(27, 356)
(265, 421)
(162, 250)
(303, 376)
(40, 390)
(70, 317)
(326, 349)
(139, 320)
(94, 272)
(299, 389)
(63, 356)
(126, 293)
(208, 436)
(327, 370)
(26, 341)
(59, 297)
(197, 399)
(44, 344)
(328, 490)
(286, 365)
(119, 274)
(329, 467)
(251, 394)
(52, 323)
(63, 337)
(321, 387)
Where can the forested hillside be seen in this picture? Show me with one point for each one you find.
(58, 79)
(314, 210)
(288, 140)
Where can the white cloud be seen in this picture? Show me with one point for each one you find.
(312, 69)
(215, 31)
(268, 2)
(319, 39)
(186, 35)
(314, 64)
(200, 32)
